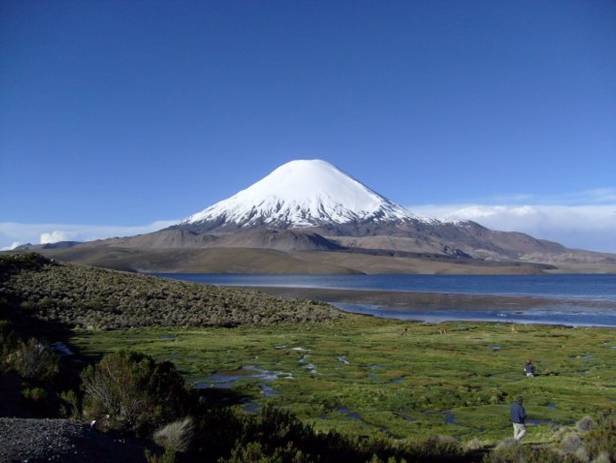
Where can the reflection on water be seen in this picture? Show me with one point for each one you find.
(227, 380)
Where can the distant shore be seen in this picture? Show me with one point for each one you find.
(445, 307)
(410, 300)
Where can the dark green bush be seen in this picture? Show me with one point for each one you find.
(434, 447)
(12, 263)
(376, 459)
(69, 404)
(137, 393)
(34, 394)
(254, 452)
(167, 456)
(34, 361)
(278, 436)
(8, 343)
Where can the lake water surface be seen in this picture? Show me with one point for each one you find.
(577, 299)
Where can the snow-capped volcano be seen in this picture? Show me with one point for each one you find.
(303, 193)
(309, 217)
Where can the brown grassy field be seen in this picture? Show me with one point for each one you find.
(251, 260)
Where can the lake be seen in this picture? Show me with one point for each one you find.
(576, 300)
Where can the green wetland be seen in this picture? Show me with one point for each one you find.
(365, 376)
(211, 374)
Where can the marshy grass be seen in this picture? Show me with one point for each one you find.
(426, 383)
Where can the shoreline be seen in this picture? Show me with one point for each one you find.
(435, 308)
(419, 300)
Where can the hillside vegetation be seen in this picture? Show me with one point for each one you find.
(96, 298)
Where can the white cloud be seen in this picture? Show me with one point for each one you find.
(11, 246)
(54, 237)
(590, 226)
(595, 196)
(12, 233)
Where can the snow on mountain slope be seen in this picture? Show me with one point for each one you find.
(303, 193)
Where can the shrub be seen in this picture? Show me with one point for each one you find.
(433, 448)
(571, 442)
(511, 451)
(278, 436)
(137, 393)
(582, 455)
(175, 436)
(254, 452)
(474, 444)
(376, 459)
(35, 361)
(585, 424)
(69, 404)
(8, 343)
(601, 439)
(168, 456)
(603, 457)
(35, 394)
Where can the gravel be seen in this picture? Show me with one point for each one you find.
(39, 440)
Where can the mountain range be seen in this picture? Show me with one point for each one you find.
(307, 216)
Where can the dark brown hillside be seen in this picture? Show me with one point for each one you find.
(185, 238)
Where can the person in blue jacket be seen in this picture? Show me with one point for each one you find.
(518, 418)
(529, 369)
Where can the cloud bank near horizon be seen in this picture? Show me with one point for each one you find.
(584, 220)
(13, 234)
(590, 226)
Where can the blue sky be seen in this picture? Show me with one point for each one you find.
(120, 114)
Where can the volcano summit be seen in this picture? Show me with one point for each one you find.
(301, 193)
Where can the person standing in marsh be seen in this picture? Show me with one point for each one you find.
(518, 418)
(529, 369)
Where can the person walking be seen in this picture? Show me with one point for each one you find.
(518, 418)
(529, 369)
